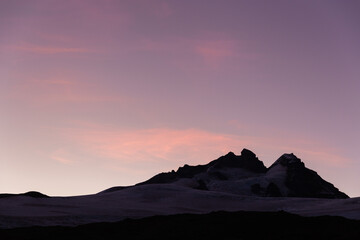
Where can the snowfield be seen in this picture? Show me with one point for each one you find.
(156, 199)
(229, 183)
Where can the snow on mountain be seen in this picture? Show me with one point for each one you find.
(247, 175)
(156, 199)
(229, 183)
(301, 181)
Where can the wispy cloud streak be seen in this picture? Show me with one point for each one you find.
(36, 49)
(191, 146)
(154, 145)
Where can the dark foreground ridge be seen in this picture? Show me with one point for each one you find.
(216, 225)
(32, 194)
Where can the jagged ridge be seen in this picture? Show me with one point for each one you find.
(247, 160)
(247, 175)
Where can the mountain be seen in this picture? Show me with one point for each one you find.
(301, 181)
(28, 194)
(220, 169)
(247, 175)
(242, 175)
(229, 183)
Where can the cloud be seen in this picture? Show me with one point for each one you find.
(215, 51)
(323, 155)
(159, 145)
(57, 38)
(273, 142)
(192, 146)
(54, 81)
(312, 152)
(60, 90)
(48, 49)
(60, 156)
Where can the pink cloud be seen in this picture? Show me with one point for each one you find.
(312, 152)
(274, 142)
(323, 155)
(60, 156)
(54, 81)
(57, 38)
(60, 90)
(191, 146)
(48, 49)
(214, 52)
(155, 145)
(210, 51)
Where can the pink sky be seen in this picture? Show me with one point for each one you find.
(95, 94)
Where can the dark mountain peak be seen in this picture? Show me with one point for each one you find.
(246, 174)
(247, 160)
(288, 160)
(247, 153)
(302, 181)
(229, 157)
(230, 154)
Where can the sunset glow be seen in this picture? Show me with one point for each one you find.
(95, 94)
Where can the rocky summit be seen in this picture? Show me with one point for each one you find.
(247, 175)
(304, 182)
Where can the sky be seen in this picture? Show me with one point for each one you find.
(95, 94)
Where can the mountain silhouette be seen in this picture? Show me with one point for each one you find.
(229, 183)
(242, 175)
(32, 194)
(247, 175)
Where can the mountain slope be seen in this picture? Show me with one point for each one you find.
(247, 160)
(32, 194)
(247, 175)
(303, 182)
(229, 183)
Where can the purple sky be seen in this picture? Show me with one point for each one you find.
(95, 94)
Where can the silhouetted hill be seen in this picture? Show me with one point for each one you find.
(229, 183)
(247, 160)
(215, 225)
(304, 182)
(247, 175)
(32, 194)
